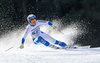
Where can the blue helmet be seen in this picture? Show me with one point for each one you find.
(31, 17)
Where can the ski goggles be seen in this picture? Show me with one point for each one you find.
(32, 21)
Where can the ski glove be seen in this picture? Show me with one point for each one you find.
(54, 27)
(49, 23)
(21, 46)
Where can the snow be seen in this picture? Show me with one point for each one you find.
(10, 52)
(41, 54)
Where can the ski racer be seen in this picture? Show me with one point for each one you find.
(38, 36)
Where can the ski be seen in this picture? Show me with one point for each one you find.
(74, 47)
(83, 47)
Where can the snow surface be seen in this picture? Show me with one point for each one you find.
(41, 54)
(10, 52)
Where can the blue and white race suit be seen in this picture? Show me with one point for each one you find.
(39, 36)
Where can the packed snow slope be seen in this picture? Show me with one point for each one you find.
(41, 54)
(11, 53)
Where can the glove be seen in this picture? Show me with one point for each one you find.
(54, 27)
(21, 46)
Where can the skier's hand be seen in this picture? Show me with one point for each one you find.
(54, 27)
(21, 46)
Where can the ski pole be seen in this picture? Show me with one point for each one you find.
(61, 32)
(9, 48)
(57, 29)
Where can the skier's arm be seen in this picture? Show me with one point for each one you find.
(42, 22)
(49, 23)
(23, 39)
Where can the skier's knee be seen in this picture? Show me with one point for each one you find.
(43, 41)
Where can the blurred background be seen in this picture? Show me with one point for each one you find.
(13, 15)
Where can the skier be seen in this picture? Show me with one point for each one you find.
(38, 36)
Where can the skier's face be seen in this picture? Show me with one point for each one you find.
(33, 22)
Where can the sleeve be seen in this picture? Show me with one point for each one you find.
(43, 22)
(25, 35)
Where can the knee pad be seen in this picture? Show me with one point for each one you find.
(43, 41)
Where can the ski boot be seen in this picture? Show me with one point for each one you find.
(69, 47)
(53, 46)
(64, 45)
